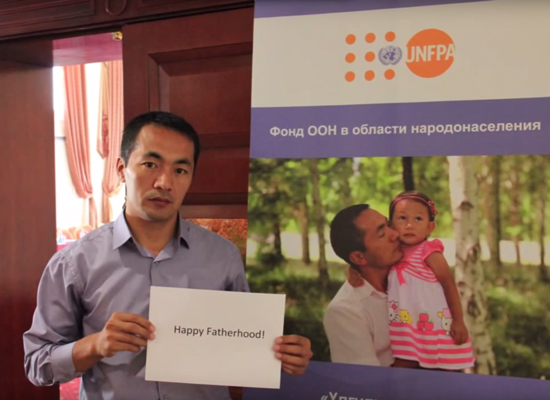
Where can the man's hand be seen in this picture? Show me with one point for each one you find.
(123, 332)
(294, 352)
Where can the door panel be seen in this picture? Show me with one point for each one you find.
(199, 67)
(27, 205)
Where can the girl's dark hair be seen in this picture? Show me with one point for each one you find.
(417, 196)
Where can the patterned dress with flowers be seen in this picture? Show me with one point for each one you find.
(420, 319)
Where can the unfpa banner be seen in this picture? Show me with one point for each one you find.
(332, 79)
(399, 192)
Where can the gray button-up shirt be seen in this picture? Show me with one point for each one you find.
(105, 272)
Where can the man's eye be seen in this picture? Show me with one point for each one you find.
(149, 164)
(181, 171)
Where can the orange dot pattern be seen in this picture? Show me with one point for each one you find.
(370, 56)
(370, 37)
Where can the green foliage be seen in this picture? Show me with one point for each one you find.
(268, 257)
(519, 315)
(277, 186)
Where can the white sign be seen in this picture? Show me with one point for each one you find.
(215, 337)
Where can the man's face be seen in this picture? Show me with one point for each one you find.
(158, 174)
(383, 248)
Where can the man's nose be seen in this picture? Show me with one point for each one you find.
(164, 180)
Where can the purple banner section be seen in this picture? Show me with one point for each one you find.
(504, 127)
(285, 8)
(327, 381)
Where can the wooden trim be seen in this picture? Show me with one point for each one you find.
(103, 22)
(61, 15)
(18, 8)
(115, 13)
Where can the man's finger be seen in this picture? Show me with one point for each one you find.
(293, 350)
(133, 340)
(136, 319)
(121, 346)
(116, 338)
(293, 361)
(115, 342)
(292, 339)
(135, 329)
(290, 366)
(295, 340)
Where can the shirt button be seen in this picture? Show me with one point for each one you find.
(166, 397)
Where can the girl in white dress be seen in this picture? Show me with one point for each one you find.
(427, 328)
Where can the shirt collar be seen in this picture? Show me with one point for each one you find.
(121, 231)
(184, 230)
(367, 290)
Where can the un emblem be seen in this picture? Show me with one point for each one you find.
(390, 55)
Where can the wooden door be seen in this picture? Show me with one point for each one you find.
(27, 203)
(199, 67)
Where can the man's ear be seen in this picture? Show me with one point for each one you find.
(357, 258)
(120, 169)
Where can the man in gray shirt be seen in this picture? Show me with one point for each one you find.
(93, 298)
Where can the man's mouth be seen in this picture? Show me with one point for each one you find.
(160, 200)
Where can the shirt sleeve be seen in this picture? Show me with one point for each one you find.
(56, 325)
(237, 281)
(432, 246)
(350, 338)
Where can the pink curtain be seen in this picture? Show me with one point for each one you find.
(76, 133)
(110, 131)
(102, 123)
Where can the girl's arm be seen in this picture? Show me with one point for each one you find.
(436, 261)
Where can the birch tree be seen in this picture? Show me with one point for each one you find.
(468, 271)
(492, 208)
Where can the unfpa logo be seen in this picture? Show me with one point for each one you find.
(428, 54)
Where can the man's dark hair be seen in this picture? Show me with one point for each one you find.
(345, 236)
(163, 119)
